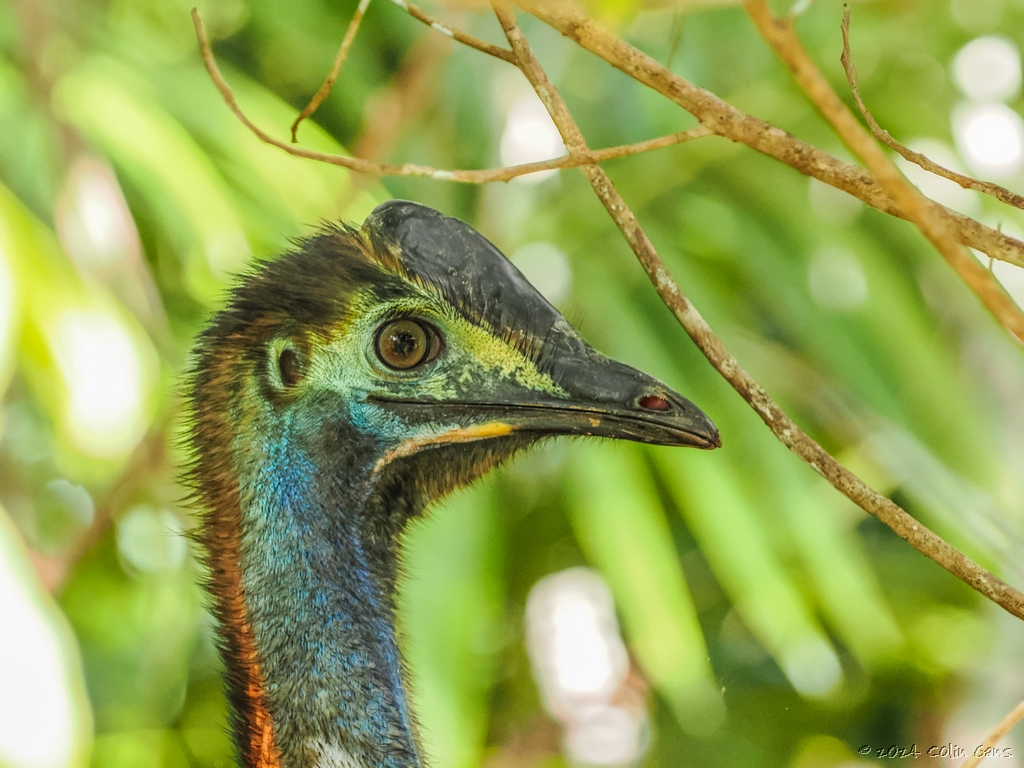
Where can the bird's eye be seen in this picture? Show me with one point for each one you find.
(290, 367)
(404, 344)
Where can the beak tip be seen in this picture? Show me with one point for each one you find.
(703, 432)
(710, 436)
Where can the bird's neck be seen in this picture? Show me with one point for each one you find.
(313, 666)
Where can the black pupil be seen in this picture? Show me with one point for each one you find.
(404, 344)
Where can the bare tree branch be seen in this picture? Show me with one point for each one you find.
(371, 168)
(332, 78)
(782, 426)
(1002, 194)
(994, 737)
(728, 121)
(779, 34)
(456, 34)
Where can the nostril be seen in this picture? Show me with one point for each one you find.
(654, 403)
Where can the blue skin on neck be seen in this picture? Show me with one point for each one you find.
(318, 571)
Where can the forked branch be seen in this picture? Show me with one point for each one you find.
(923, 213)
(724, 119)
(1002, 194)
(782, 426)
(325, 89)
(719, 118)
(370, 168)
(456, 34)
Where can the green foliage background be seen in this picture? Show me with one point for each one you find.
(740, 577)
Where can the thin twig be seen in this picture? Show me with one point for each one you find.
(1001, 194)
(371, 168)
(920, 537)
(339, 60)
(781, 425)
(780, 36)
(994, 737)
(456, 34)
(726, 120)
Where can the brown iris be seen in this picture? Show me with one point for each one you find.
(404, 344)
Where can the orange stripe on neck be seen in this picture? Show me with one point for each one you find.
(221, 536)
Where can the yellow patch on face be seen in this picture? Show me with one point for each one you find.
(495, 358)
(455, 434)
(473, 359)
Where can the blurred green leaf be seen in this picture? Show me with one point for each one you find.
(450, 608)
(65, 319)
(620, 525)
(733, 539)
(846, 316)
(113, 109)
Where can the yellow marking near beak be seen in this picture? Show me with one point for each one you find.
(453, 435)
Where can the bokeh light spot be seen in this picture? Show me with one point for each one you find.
(836, 280)
(151, 540)
(813, 667)
(547, 268)
(575, 641)
(103, 374)
(988, 69)
(991, 139)
(581, 666)
(530, 136)
(93, 221)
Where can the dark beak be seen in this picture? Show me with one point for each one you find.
(605, 399)
(599, 396)
(608, 399)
